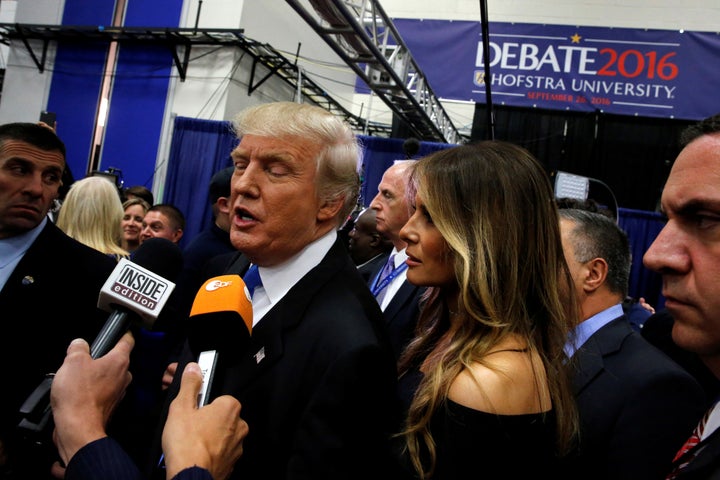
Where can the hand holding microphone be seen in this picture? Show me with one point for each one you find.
(135, 291)
(84, 395)
(85, 392)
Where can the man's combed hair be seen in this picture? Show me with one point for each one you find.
(704, 127)
(596, 236)
(338, 162)
(34, 134)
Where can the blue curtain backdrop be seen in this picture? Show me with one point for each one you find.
(379, 154)
(642, 228)
(199, 148)
(202, 147)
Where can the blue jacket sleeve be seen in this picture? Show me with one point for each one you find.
(105, 458)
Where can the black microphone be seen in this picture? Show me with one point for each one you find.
(410, 147)
(135, 291)
(220, 325)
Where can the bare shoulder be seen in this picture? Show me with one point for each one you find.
(506, 383)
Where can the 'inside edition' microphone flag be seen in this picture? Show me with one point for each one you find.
(136, 288)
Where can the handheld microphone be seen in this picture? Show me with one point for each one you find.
(220, 323)
(136, 290)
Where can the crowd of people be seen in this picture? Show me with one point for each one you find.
(472, 326)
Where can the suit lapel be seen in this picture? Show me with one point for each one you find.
(589, 359)
(399, 300)
(267, 340)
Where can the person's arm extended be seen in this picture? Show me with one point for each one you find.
(85, 392)
(210, 437)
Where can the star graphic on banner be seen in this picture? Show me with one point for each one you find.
(575, 38)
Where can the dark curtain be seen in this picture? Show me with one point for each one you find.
(634, 157)
(553, 137)
(631, 156)
(199, 148)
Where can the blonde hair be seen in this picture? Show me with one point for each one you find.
(91, 214)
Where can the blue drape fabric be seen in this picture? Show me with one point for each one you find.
(199, 148)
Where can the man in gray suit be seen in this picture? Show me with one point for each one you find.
(316, 379)
(636, 405)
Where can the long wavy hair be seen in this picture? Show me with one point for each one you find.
(493, 204)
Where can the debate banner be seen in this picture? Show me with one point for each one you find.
(649, 73)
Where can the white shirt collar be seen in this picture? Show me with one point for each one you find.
(279, 279)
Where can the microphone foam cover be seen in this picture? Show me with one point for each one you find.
(160, 256)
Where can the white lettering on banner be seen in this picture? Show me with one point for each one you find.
(543, 72)
(595, 87)
(526, 56)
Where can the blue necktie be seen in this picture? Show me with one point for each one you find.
(386, 271)
(252, 278)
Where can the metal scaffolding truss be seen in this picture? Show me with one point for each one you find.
(180, 42)
(360, 32)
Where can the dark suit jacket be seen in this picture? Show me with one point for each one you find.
(403, 309)
(657, 330)
(49, 299)
(316, 380)
(637, 407)
(369, 269)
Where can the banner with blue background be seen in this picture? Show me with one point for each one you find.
(650, 73)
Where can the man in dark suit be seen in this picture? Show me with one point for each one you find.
(687, 254)
(49, 285)
(636, 405)
(398, 298)
(316, 379)
(368, 247)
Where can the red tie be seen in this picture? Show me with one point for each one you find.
(690, 443)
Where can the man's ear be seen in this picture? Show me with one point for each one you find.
(375, 241)
(223, 205)
(596, 271)
(329, 208)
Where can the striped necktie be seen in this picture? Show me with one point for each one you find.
(386, 271)
(690, 444)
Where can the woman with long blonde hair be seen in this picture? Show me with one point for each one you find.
(486, 384)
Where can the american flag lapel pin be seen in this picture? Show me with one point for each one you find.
(260, 355)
